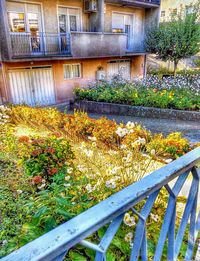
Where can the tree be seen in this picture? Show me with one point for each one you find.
(177, 38)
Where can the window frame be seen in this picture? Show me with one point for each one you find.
(71, 71)
(26, 12)
(67, 19)
(163, 13)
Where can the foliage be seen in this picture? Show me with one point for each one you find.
(155, 93)
(46, 157)
(175, 39)
(48, 178)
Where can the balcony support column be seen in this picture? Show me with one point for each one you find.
(100, 16)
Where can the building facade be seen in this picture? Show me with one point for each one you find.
(173, 7)
(49, 47)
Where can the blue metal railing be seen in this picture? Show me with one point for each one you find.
(55, 244)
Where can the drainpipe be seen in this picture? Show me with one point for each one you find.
(100, 16)
(145, 67)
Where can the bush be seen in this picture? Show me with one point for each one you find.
(48, 178)
(181, 93)
(46, 158)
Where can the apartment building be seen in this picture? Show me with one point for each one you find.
(49, 47)
(173, 7)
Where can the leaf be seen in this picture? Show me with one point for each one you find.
(50, 223)
(76, 256)
(63, 201)
(110, 256)
(41, 211)
(64, 213)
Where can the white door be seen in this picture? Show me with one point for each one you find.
(32, 86)
(121, 68)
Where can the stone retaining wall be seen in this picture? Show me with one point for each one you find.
(137, 111)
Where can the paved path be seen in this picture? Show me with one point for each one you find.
(190, 129)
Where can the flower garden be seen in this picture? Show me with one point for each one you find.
(54, 166)
(182, 92)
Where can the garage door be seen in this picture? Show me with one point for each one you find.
(32, 86)
(119, 68)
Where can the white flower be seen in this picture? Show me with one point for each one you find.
(111, 184)
(67, 178)
(89, 188)
(19, 191)
(129, 237)
(121, 132)
(153, 152)
(154, 217)
(88, 153)
(69, 170)
(141, 141)
(4, 242)
(67, 185)
(81, 168)
(123, 146)
(115, 169)
(130, 125)
(42, 186)
(92, 138)
(129, 220)
(168, 160)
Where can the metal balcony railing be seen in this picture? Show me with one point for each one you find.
(40, 44)
(55, 244)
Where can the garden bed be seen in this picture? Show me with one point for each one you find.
(136, 111)
(181, 93)
(55, 166)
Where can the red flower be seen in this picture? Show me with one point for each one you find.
(37, 180)
(50, 150)
(52, 171)
(36, 152)
(24, 139)
(57, 134)
(37, 141)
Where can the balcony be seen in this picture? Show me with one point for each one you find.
(139, 3)
(75, 44)
(40, 45)
(92, 44)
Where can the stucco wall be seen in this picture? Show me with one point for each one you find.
(50, 19)
(98, 44)
(64, 88)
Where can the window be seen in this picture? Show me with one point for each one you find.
(16, 22)
(24, 17)
(72, 71)
(69, 19)
(174, 12)
(162, 13)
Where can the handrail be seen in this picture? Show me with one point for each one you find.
(55, 244)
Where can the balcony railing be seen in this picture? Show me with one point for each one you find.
(40, 44)
(55, 244)
(76, 44)
(142, 3)
(156, 2)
